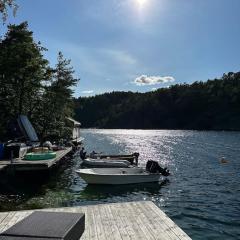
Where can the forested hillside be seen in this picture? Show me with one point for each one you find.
(211, 105)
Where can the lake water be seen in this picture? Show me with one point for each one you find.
(202, 195)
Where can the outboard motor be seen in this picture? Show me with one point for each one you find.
(136, 155)
(154, 167)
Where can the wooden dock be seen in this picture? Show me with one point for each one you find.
(23, 165)
(2, 166)
(141, 220)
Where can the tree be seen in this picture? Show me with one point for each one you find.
(23, 73)
(57, 102)
(29, 86)
(4, 5)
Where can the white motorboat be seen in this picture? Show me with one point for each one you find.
(132, 158)
(119, 163)
(118, 175)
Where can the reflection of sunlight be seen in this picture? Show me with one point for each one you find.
(152, 145)
(158, 145)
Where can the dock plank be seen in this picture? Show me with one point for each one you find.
(115, 229)
(125, 221)
(106, 222)
(133, 217)
(7, 221)
(88, 234)
(141, 220)
(162, 230)
(3, 216)
(117, 221)
(172, 226)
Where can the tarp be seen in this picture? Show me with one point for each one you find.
(27, 128)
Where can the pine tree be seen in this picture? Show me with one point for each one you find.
(4, 5)
(23, 73)
(57, 102)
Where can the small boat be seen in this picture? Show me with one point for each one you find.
(106, 163)
(132, 158)
(114, 176)
(153, 173)
(38, 156)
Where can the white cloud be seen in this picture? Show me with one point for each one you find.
(152, 80)
(154, 89)
(87, 91)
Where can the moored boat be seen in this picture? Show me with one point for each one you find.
(132, 158)
(106, 163)
(115, 176)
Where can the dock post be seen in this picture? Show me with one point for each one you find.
(11, 157)
(11, 170)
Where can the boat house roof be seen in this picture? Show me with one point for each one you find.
(76, 123)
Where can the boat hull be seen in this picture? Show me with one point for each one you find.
(118, 178)
(106, 163)
(131, 158)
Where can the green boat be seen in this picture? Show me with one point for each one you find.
(37, 156)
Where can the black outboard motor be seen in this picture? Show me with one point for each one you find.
(136, 155)
(154, 167)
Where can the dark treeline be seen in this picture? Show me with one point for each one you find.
(211, 105)
(29, 86)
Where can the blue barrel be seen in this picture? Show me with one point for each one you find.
(1, 150)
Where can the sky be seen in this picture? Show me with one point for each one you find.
(136, 45)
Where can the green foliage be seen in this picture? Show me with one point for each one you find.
(23, 70)
(57, 102)
(4, 5)
(211, 105)
(29, 86)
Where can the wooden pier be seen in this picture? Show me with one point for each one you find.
(23, 165)
(2, 166)
(141, 220)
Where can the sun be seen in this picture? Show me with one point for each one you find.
(141, 3)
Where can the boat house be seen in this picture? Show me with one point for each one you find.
(76, 137)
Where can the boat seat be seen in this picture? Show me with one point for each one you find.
(47, 225)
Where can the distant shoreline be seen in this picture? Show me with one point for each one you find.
(213, 105)
(160, 129)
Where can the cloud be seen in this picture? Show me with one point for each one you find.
(152, 80)
(87, 91)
